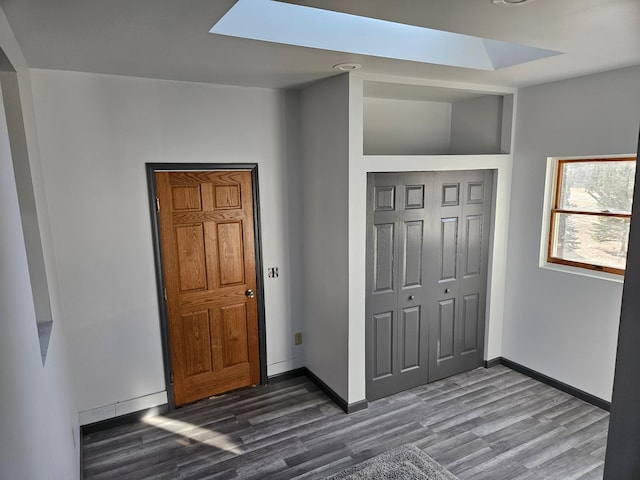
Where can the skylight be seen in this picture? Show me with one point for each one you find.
(279, 22)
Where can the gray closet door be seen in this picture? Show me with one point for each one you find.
(427, 250)
(458, 286)
(396, 326)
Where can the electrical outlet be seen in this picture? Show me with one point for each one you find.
(272, 272)
(297, 338)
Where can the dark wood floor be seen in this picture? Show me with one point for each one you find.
(485, 424)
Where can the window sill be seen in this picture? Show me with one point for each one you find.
(610, 277)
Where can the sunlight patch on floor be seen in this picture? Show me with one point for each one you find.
(197, 434)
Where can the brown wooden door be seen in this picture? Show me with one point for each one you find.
(208, 259)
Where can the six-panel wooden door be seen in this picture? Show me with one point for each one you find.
(208, 258)
(427, 253)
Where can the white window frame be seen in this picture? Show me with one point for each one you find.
(549, 199)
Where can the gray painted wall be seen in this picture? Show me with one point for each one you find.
(405, 127)
(476, 126)
(561, 324)
(325, 180)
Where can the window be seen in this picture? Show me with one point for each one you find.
(591, 213)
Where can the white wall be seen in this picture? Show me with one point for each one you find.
(26, 196)
(38, 427)
(96, 134)
(324, 142)
(406, 127)
(39, 434)
(561, 324)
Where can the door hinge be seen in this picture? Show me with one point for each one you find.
(157, 205)
(165, 294)
(171, 378)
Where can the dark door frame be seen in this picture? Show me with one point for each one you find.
(151, 169)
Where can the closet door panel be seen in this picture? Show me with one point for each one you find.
(458, 289)
(396, 329)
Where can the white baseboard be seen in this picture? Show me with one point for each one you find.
(118, 409)
(284, 366)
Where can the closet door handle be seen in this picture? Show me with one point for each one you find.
(411, 297)
(447, 290)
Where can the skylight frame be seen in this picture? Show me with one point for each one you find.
(291, 24)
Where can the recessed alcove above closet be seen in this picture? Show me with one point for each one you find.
(405, 119)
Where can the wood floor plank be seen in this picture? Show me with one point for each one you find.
(485, 424)
(595, 474)
(571, 465)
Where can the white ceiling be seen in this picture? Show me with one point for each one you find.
(169, 39)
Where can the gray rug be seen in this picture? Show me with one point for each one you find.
(406, 463)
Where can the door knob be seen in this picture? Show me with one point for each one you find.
(446, 290)
(411, 297)
(249, 293)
